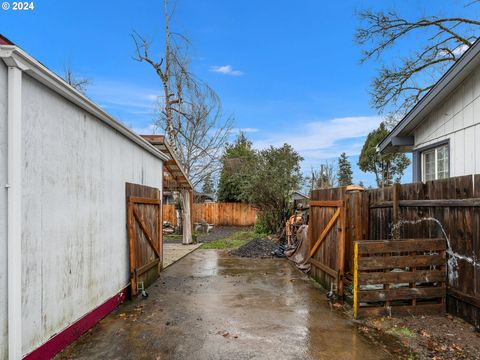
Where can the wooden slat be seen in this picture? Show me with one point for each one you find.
(419, 309)
(472, 300)
(401, 277)
(326, 203)
(341, 250)
(146, 232)
(148, 266)
(160, 234)
(325, 232)
(132, 249)
(142, 200)
(400, 294)
(380, 262)
(355, 281)
(396, 210)
(406, 245)
(323, 267)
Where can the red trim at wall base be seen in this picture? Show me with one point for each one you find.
(61, 340)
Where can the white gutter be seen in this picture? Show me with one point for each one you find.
(14, 223)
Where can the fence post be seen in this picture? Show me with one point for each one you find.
(341, 247)
(396, 211)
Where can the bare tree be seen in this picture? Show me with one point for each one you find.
(79, 83)
(171, 68)
(201, 133)
(439, 42)
(324, 178)
(189, 110)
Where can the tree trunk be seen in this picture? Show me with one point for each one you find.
(187, 220)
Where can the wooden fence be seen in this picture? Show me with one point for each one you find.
(226, 214)
(448, 209)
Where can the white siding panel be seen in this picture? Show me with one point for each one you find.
(457, 122)
(476, 83)
(459, 154)
(421, 131)
(469, 90)
(468, 115)
(457, 101)
(456, 119)
(74, 237)
(3, 210)
(477, 149)
(469, 143)
(476, 111)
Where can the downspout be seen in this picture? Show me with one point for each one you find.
(14, 224)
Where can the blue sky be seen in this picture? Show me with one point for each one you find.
(288, 71)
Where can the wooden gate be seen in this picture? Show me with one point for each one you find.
(334, 230)
(144, 223)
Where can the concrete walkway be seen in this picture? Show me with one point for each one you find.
(173, 252)
(212, 306)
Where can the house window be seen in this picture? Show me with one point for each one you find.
(435, 163)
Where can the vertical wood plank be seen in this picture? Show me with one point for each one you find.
(396, 210)
(355, 281)
(341, 249)
(132, 248)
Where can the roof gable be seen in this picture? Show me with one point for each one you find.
(446, 85)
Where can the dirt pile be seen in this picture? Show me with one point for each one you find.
(430, 337)
(256, 248)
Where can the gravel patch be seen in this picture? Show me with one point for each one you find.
(259, 248)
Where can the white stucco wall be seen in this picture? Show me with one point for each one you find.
(74, 238)
(458, 120)
(3, 210)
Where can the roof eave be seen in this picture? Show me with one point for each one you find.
(14, 56)
(447, 83)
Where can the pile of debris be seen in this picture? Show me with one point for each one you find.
(168, 228)
(259, 248)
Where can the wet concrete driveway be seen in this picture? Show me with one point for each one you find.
(212, 306)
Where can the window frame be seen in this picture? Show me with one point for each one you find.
(434, 149)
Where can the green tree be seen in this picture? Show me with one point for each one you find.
(233, 175)
(272, 175)
(388, 167)
(344, 172)
(208, 187)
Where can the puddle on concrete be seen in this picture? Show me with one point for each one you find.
(212, 306)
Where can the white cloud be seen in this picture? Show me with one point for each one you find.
(245, 130)
(125, 96)
(324, 139)
(226, 70)
(147, 130)
(460, 50)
